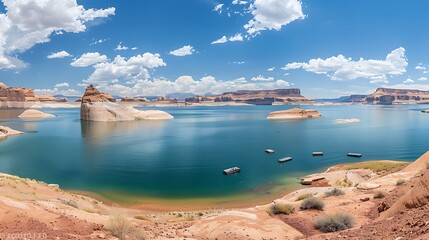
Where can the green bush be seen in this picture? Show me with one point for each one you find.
(312, 203)
(304, 196)
(334, 222)
(400, 182)
(281, 208)
(379, 194)
(334, 192)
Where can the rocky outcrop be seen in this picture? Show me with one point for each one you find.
(6, 131)
(294, 113)
(397, 96)
(355, 98)
(263, 97)
(198, 99)
(97, 106)
(93, 95)
(131, 99)
(32, 113)
(17, 94)
(425, 111)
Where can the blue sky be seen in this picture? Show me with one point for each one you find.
(155, 47)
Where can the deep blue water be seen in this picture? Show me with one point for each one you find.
(184, 157)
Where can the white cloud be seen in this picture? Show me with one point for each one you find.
(239, 63)
(409, 80)
(423, 79)
(99, 41)
(135, 67)
(56, 91)
(379, 79)
(134, 48)
(188, 84)
(262, 78)
(61, 54)
(223, 39)
(235, 2)
(62, 85)
(88, 59)
(120, 47)
(236, 37)
(271, 69)
(418, 67)
(273, 15)
(342, 68)
(183, 51)
(30, 22)
(218, 8)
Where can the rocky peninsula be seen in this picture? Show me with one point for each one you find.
(97, 106)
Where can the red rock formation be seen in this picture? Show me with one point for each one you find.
(93, 95)
(17, 94)
(131, 99)
(263, 96)
(392, 96)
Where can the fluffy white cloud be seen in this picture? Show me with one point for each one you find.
(88, 59)
(223, 39)
(61, 54)
(135, 67)
(56, 91)
(183, 51)
(236, 38)
(235, 2)
(188, 84)
(342, 68)
(120, 47)
(218, 8)
(271, 69)
(273, 14)
(418, 67)
(423, 79)
(409, 80)
(262, 78)
(379, 79)
(62, 85)
(29, 22)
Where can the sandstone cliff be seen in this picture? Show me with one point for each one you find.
(97, 106)
(17, 94)
(397, 96)
(263, 97)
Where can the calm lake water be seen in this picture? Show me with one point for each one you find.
(185, 157)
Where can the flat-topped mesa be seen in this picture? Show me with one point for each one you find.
(101, 107)
(17, 94)
(397, 96)
(93, 95)
(265, 97)
(294, 113)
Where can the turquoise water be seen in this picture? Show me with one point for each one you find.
(184, 157)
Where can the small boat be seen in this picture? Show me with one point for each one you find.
(286, 159)
(317, 153)
(269, 151)
(232, 170)
(354, 154)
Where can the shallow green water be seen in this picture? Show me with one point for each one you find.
(184, 157)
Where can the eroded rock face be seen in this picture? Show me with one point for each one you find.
(392, 96)
(17, 94)
(93, 95)
(294, 113)
(131, 99)
(265, 97)
(101, 107)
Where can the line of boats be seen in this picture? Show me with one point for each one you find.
(233, 170)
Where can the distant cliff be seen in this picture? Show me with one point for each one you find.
(263, 97)
(397, 96)
(17, 94)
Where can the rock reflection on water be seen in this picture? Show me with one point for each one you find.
(95, 130)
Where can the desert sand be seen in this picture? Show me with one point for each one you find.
(294, 113)
(32, 206)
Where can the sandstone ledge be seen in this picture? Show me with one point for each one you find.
(294, 113)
